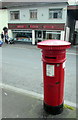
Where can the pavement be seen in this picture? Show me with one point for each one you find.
(17, 105)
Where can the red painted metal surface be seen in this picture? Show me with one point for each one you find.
(53, 57)
(54, 45)
(54, 85)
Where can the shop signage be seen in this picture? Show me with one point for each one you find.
(21, 26)
(37, 26)
(33, 26)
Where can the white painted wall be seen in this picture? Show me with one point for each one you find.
(3, 19)
(43, 14)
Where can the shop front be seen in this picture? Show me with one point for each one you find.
(37, 32)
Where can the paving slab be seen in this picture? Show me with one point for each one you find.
(17, 105)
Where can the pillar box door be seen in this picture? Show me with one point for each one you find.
(53, 57)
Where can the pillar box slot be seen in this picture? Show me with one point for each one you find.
(50, 57)
(53, 57)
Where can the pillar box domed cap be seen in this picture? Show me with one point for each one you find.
(54, 44)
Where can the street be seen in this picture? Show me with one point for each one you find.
(22, 68)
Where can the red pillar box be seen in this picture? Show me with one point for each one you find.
(53, 57)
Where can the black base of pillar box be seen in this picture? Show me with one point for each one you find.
(54, 110)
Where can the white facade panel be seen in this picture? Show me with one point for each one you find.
(42, 14)
(62, 35)
(67, 34)
(33, 37)
(3, 20)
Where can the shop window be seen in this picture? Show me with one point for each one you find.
(33, 14)
(14, 15)
(53, 35)
(55, 13)
(26, 35)
(22, 36)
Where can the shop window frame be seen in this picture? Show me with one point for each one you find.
(33, 14)
(55, 13)
(13, 16)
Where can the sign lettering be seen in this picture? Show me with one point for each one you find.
(34, 26)
(21, 26)
(48, 26)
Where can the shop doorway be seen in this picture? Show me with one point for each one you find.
(75, 38)
(40, 35)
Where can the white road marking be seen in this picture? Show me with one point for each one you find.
(71, 53)
(33, 94)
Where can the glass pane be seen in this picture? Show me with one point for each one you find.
(60, 14)
(50, 15)
(56, 36)
(30, 14)
(55, 15)
(16, 16)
